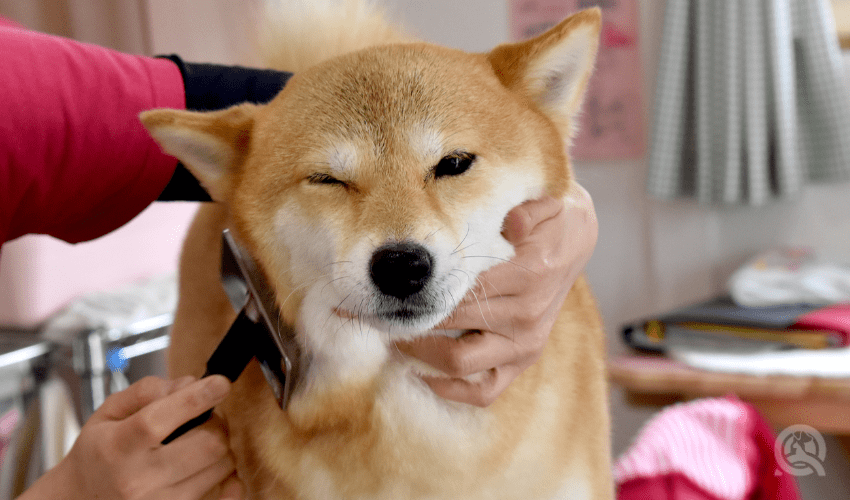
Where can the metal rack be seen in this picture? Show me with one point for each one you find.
(90, 366)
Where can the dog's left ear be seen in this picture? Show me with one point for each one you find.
(553, 69)
(212, 145)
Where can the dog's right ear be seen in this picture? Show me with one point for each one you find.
(212, 145)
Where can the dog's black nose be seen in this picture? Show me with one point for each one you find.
(401, 269)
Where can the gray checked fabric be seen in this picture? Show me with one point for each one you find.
(751, 101)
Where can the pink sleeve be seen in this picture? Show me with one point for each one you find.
(75, 162)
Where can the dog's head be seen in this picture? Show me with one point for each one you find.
(380, 179)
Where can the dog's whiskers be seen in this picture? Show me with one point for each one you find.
(431, 234)
(477, 300)
(468, 228)
(502, 260)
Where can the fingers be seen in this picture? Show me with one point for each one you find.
(582, 222)
(129, 401)
(547, 262)
(489, 361)
(195, 451)
(218, 476)
(475, 353)
(181, 382)
(482, 392)
(119, 453)
(159, 419)
(539, 253)
(522, 219)
(509, 315)
(123, 404)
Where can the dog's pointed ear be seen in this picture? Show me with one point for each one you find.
(212, 145)
(553, 69)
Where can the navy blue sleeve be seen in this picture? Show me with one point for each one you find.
(211, 87)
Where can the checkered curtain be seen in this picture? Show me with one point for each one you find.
(751, 101)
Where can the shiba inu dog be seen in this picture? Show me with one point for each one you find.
(372, 192)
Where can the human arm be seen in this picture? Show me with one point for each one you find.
(118, 454)
(553, 242)
(72, 164)
(75, 162)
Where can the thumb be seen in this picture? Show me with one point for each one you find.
(522, 220)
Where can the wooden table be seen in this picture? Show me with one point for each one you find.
(783, 400)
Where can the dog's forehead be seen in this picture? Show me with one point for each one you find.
(416, 141)
(376, 89)
(402, 100)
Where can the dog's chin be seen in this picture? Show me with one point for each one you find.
(405, 323)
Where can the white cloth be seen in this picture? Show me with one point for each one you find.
(829, 363)
(789, 276)
(114, 310)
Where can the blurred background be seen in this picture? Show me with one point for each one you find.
(653, 254)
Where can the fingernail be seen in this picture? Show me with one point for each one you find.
(216, 387)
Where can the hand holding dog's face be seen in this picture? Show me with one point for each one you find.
(511, 315)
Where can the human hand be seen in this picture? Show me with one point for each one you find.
(509, 316)
(119, 454)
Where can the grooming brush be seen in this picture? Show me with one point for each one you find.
(255, 333)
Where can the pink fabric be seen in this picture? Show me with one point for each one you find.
(75, 162)
(710, 449)
(670, 486)
(834, 318)
(8, 23)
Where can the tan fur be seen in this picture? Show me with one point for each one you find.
(347, 26)
(372, 429)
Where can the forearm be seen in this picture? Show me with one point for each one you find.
(54, 484)
(76, 162)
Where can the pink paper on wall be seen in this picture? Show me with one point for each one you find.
(612, 125)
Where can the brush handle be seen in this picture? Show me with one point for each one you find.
(230, 358)
(188, 426)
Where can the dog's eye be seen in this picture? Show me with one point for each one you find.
(325, 179)
(453, 164)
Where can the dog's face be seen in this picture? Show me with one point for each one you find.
(380, 179)
(387, 182)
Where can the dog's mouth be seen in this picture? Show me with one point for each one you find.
(404, 316)
(407, 315)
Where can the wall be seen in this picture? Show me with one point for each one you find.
(39, 274)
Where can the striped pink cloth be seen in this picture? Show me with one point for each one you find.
(710, 449)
